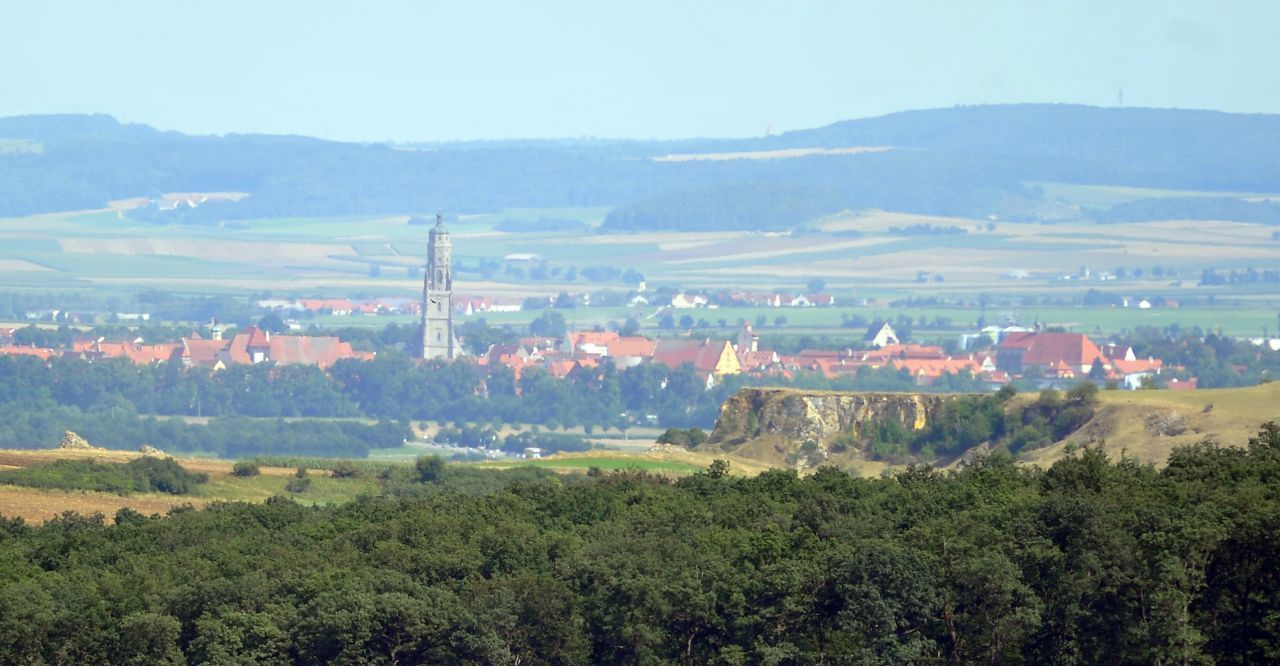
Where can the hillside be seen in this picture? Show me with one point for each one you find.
(805, 429)
(966, 161)
(1147, 425)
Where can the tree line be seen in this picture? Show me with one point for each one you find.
(115, 399)
(1089, 561)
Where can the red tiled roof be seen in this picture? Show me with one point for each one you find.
(601, 338)
(317, 304)
(703, 354)
(1075, 349)
(204, 353)
(1140, 365)
(322, 351)
(256, 338)
(633, 346)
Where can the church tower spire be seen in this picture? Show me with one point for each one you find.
(437, 295)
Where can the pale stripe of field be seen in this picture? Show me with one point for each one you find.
(777, 248)
(879, 220)
(215, 250)
(783, 153)
(21, 266)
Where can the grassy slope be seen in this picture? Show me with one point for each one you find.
(1120, 423)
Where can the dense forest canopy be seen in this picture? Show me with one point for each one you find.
(969, 161)
(1087, 562)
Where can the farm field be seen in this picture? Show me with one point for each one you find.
(660, 459)
(37, 505)
(857, 254)
(1233, 320)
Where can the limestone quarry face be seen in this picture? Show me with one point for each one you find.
(819, 416)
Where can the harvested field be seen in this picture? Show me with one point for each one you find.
(36, 506)
(207, 249)
(21, 266)
(767, 248)
(784, 153)
(879, 220)
(664, 459)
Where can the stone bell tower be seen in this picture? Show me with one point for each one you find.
(437, 295)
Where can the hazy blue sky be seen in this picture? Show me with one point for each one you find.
(458, 70)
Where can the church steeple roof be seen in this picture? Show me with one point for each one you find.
(439, 228)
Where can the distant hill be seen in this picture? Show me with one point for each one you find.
(968, 161)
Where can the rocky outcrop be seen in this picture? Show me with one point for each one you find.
(148, 450)
(70, 440)
(816, 416)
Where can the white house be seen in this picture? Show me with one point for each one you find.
(880, 334)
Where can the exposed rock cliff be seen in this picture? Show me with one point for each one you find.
(800, 426)
(71, 440)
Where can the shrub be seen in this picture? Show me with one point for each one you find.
(140, 475)
(162, 475)
(429, 468)
(690, 439)
(300, 481)
(245, 468)
(344, 469)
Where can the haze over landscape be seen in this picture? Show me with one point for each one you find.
(413, 71)
(567, 333)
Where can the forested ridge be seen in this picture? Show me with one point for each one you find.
(964, 161)
(1086, 562)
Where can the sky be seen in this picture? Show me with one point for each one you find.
(469, 69)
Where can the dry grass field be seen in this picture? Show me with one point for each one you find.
(36, 505)
(1147, 425)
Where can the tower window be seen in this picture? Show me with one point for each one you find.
(438, 336)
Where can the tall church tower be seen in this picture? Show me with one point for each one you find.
(437, 295)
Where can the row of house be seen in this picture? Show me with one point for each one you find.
(249, 346)
(737, 298)
(342, 306)
(464, 305)
(1045, 358)
(1039, 357)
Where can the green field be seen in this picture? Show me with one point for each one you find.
(1246, 319)
(1105, 196)
(108, 253)
(584, 463)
